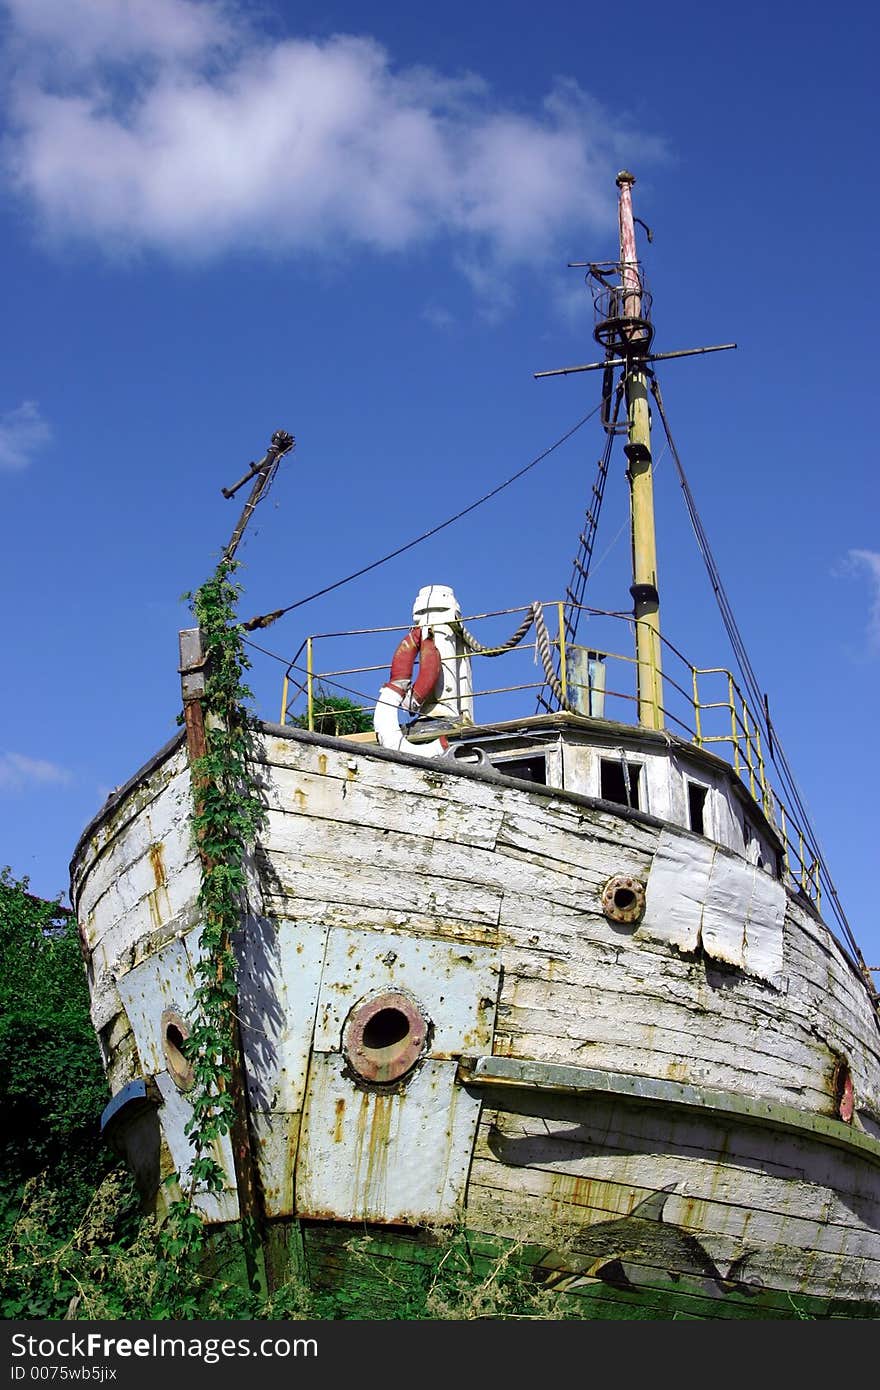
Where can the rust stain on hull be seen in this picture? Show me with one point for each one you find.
(157, 862)
(157, 898)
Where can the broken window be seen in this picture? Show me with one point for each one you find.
(619, 781)
(696, 807)
(526, 769)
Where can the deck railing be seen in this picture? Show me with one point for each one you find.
(704, 705)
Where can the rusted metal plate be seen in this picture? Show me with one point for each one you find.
(387, 1156)
(279, 976)
(175, 1113)
(400, 1151)
(155, 994)
(160, 985)
(455, 987)
(276, 1136)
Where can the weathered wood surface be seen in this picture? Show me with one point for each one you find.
(769, 1250)
(760, 1046)
(390, 851)
(565, 1165)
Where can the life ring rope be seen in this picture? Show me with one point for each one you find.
(401, 691)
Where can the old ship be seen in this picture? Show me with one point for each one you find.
(557, 979)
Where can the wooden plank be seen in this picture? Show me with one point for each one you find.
(596, 1011)
(358, 846)
(447, 783)
(357, 802)
(530, 1040)
(382, 918)
(715, 1198)
(573, 848)
(157, 814)
(312, 877)
(528, 1198)
(115, 824)
(612, 1128)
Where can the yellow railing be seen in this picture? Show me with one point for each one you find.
(703, 704)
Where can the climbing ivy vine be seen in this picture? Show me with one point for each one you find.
(227, 815)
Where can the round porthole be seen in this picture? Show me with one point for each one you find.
(623, 899)
(384, 1037)
(174, 1034)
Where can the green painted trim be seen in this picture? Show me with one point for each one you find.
(646, 1090)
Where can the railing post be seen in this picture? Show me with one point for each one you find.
(563, 673)
(786, 857)
(762, 777)
(285, 683)
(734, 737)
(310, 694)
(750, 756)
(697, 720)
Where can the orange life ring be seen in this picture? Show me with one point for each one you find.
(400, 690)
(402, 666)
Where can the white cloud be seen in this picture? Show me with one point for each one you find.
(18, 771)
(86, 30)
(870, 561)
(290, 145)
(23, 432)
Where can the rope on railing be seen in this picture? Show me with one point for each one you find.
(535, 615)
(473, 645)
(550, 676)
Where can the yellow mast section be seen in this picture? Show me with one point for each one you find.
(646, 599)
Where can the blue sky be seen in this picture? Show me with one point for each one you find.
(353, 223)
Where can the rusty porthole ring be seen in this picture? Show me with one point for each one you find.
(623, 899)
(384, 1037)
(175, 1030)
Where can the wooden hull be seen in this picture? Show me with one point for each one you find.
(648, 1117)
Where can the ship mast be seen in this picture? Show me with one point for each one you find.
(623, 328)
(635, 343)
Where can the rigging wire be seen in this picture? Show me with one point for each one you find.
(759, 711)
(580, 571)
(266, 619)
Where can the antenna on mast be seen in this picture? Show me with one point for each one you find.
(263, 473)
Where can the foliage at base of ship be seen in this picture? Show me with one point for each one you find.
(52, 1086)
